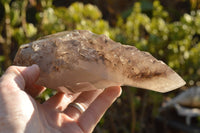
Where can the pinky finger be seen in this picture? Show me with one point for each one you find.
(95, 111)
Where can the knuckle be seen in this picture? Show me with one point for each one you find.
(12, 69)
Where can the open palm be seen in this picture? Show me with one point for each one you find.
(19, 112)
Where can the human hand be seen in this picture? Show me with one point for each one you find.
(19, 112)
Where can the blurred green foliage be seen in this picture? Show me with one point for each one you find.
(174, 42)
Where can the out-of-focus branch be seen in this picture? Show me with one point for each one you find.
(142, 116)
(2, 40)
(112, 123)
(7, 43)
(23, 16)
(132, 106)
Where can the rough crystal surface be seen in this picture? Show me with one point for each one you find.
(80, 60)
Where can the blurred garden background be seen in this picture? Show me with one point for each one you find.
(169, 30)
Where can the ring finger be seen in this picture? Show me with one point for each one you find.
(75, 109)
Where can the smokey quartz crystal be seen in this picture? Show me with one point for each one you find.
(80, 60)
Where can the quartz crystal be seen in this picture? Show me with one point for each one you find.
(80, 60)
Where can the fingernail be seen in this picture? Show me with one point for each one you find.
(120, 91)
(35, 66)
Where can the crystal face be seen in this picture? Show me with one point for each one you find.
(80, 60)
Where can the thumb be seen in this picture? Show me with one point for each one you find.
(18, 77)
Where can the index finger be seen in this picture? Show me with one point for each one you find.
(17, 77)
